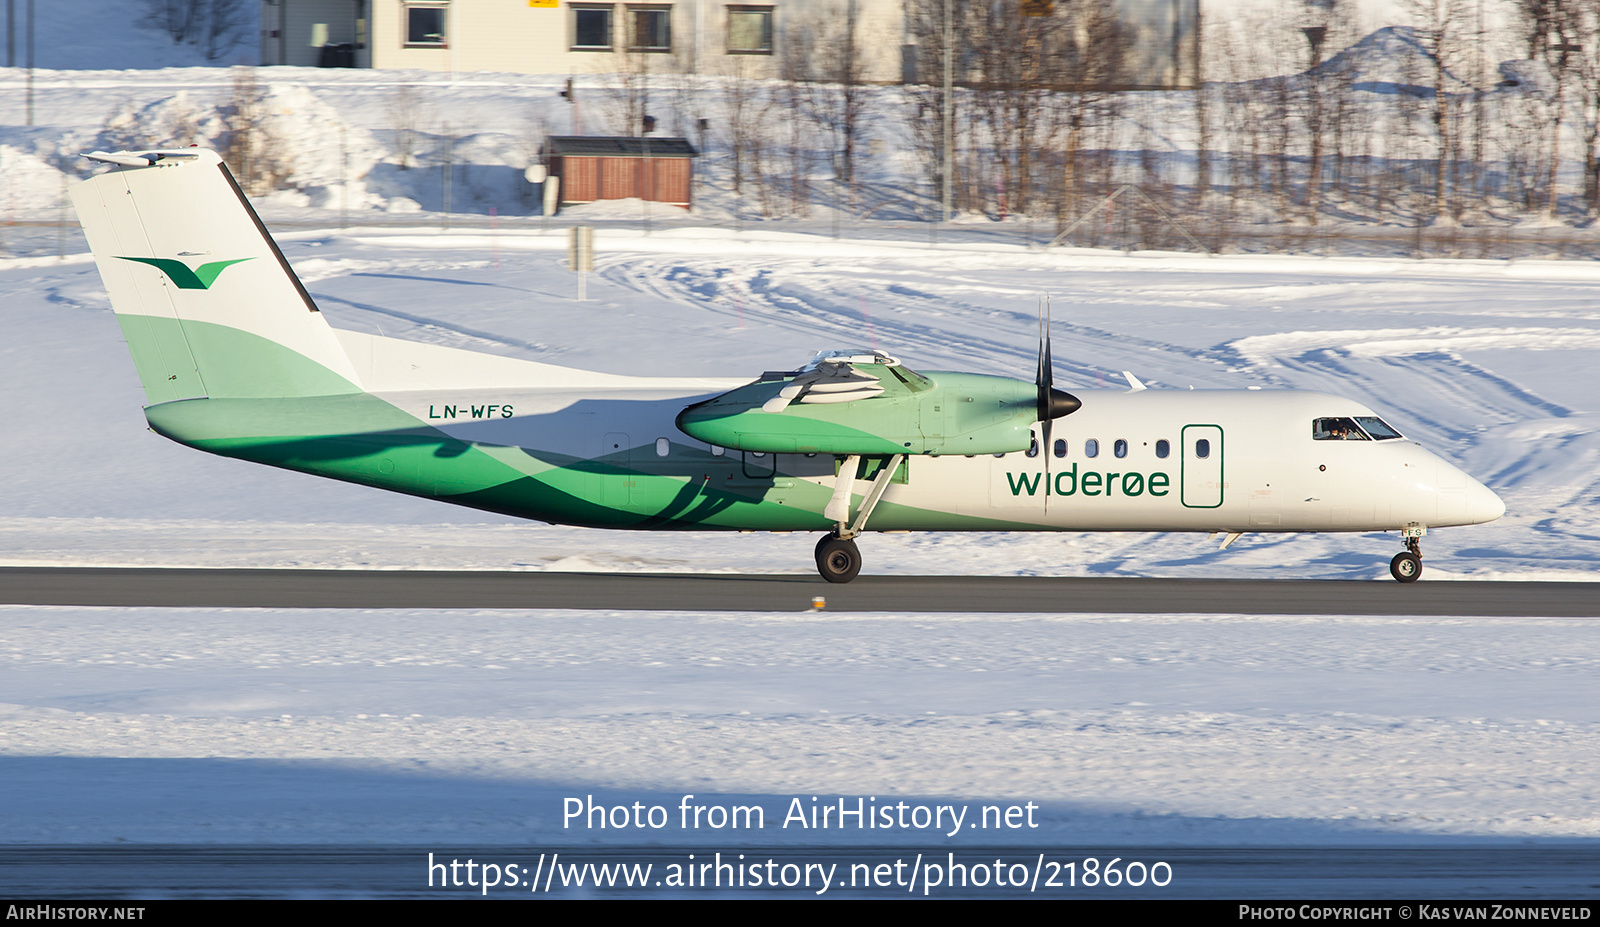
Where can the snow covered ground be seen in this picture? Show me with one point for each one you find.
(1178, 730)
(1487, 363)
(246, 726)
(410, 727)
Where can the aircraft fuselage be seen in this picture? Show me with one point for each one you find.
(1162, 460)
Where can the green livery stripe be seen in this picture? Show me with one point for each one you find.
(173, 357)
(362, 439)
(179, 273)
(315, 421)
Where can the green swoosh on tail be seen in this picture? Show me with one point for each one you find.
(180, 274)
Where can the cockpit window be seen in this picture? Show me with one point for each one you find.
(1377, 427)
(1337, 429)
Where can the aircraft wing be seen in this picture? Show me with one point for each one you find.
(866, 403)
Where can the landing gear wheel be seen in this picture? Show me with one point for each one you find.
(1406, 566)
(838, 559)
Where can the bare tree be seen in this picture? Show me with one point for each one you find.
(214, 26)
(625, 90)
(1443, 35)
(227, 24)
(249, 147)
(177, 18)
(841, 99)
(745, 102)
(1565, 35)
(407, 112)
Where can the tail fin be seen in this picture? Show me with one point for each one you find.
(206, 300)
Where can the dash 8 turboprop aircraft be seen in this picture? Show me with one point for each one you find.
(236, 359)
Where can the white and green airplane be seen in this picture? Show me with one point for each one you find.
(236, 359)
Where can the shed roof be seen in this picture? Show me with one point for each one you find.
(621, 147)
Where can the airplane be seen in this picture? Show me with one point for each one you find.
(236, 359)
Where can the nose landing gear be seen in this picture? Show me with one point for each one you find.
(1407, 565)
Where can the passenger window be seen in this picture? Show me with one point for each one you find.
(1033, 446)
(1120, 448)
(718, 451)
(1337, 429)
(1163, 448)
(1091, 447)
(662, 447)
(1061, 447)
(1202, 448)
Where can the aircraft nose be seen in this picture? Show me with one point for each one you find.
(1482, 504)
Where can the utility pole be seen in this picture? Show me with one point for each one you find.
(449, 167)
(949, 105)
(30, 62)
(1315, 35)
(344, 179)
(649, 125)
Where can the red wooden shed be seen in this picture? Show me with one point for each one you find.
(655, 169)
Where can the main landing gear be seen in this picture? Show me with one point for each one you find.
(838, 558)
(1407, 565)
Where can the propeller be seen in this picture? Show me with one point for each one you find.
(1053, 403)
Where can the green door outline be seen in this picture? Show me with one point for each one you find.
(1205, 470)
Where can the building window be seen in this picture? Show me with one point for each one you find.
(650, 28)
(591, 27)
(425, 25)
(749, 30)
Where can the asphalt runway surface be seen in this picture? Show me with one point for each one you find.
(783, 593)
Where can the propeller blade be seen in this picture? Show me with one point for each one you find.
(1043, 375)
(1045, 380)
(1052, 403)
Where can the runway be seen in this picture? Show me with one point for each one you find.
(783, 593)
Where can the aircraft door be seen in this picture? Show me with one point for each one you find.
(1202, 483)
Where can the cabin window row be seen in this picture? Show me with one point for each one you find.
(1119, 448)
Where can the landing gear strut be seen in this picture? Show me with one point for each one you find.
(838, 558)
(1407, 565)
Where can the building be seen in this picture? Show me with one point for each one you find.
(710, 37)
(550, 36)
(657, 169)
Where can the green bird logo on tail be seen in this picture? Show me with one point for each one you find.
(179, 273)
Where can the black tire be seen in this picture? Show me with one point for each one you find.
(838, 559)
(1405, 567)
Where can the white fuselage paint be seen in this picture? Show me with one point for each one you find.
(1263, 473)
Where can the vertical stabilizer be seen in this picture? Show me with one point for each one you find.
(207, 302)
